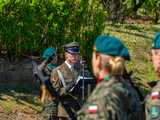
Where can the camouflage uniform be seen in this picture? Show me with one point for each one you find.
(112, 100)
(152, 106)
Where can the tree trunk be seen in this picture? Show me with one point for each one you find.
(114, 9)
(136, 4)
(156, 17)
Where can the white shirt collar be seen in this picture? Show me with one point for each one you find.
(69, 65)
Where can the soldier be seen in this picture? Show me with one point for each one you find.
(152, 103)
(42, 73)
(113, 98)
(44, 70)
(63, 79)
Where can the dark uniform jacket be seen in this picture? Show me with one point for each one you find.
(67, 103)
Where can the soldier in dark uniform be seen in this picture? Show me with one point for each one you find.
(114, 98)
(63, 79)
(152, 103)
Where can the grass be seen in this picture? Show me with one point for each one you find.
(10, 103)
(16, 98)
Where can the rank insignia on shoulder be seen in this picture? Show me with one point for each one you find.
(92, 108)
(155, 95)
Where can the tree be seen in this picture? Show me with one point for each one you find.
(117, 9)
(33, 25)
(152, 7)
(135, 5)
(114, 9)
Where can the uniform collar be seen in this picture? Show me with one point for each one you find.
(106, 77)
(69, 65)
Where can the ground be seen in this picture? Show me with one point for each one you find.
(15, 105)
(19, 116)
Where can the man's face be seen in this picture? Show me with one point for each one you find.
(72, 58)
(156, 60)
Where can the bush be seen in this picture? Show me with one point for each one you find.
(33, 25)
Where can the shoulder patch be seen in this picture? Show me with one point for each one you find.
(92, 108)
(155, 95)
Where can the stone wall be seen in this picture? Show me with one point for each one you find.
(19, 71)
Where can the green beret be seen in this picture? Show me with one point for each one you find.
(112, 46)
(156, 41)
(48, 53)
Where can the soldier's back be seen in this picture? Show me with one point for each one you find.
(112, 100)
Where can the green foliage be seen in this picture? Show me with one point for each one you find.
(152, 8)
(151, 4)
(32, 25)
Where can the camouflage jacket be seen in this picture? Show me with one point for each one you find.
(152, 104)
(112, 100)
